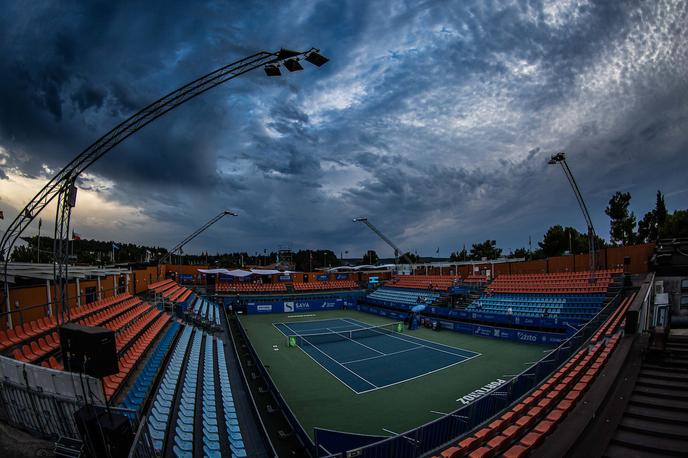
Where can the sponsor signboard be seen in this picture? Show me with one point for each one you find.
(291, 306)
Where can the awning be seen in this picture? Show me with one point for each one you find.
(244, 273)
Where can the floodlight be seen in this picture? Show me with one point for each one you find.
(286, 54)
(317, 59)
(227, 212)
(361, 219)
(272, 70)
(293, 65)
(557, 158)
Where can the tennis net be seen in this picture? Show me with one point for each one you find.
(302, 340)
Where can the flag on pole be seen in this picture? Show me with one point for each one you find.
(75, 236)
(2, 215)
(115, 246)
(40, 223)
(438, 250)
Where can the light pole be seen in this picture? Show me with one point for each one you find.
(560, 158)
(197, 232)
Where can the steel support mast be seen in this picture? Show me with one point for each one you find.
(397, 251)
(560, 158)
(195, 234)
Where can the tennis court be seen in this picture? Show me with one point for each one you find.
(366, 358)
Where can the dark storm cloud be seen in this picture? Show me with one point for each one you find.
(434, 118)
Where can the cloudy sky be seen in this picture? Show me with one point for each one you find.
(433, 118)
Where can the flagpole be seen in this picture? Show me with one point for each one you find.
(38, 243)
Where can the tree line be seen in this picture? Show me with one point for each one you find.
(624, 230)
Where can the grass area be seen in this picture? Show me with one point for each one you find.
(319, 399)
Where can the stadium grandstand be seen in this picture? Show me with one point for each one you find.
(502, 362)
(576, 346)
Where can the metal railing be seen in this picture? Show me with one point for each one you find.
(143, 443)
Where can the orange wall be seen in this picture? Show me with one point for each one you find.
(33, 300)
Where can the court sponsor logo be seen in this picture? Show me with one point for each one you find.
(527, 337)
(288, 306)
(264, 308)
(480, 392)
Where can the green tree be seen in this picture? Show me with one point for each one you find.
(557, 241)
(459, 256)
(370, 257)
(23, 254)
(652, 223)
(307, 260)
(519, 253)
(622, 222)
(487, 249)
(676, 225)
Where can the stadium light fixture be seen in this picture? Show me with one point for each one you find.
(290, 59)
(316, 59)
(293, 65)
(272, 70)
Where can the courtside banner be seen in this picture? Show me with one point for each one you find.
(296, 305)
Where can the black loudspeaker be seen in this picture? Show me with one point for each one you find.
(104, 434)
(90, 350)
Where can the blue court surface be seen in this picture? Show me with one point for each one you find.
(373, 359)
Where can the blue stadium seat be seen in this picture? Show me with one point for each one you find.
(162, 402)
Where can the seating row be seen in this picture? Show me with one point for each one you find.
(325, 285)
(206, 312)
(216, 409)
(430, 282)
(570, 306)
(163, 401)
(186, 413)
(406, 297)
(250, 287)
(236, 443)
(128, 335)
(33, 329)
(103, 316)
(129, 360)
(141, 386)
(37, 349)
(161, 283)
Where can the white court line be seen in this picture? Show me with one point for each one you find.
(316, 347)
(352, 340)
(391, 384)
(385, 354)
(426, 346)
(421, 375)
(439, 413)
(302, 316)
(391, 432)
(313, 321)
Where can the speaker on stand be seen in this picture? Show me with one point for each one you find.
(92, 351)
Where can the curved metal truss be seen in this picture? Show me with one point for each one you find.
(62, 184)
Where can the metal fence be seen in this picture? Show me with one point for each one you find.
(433, 435)
(143, 444)
(43, 402)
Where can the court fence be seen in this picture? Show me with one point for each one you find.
(437, 433)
